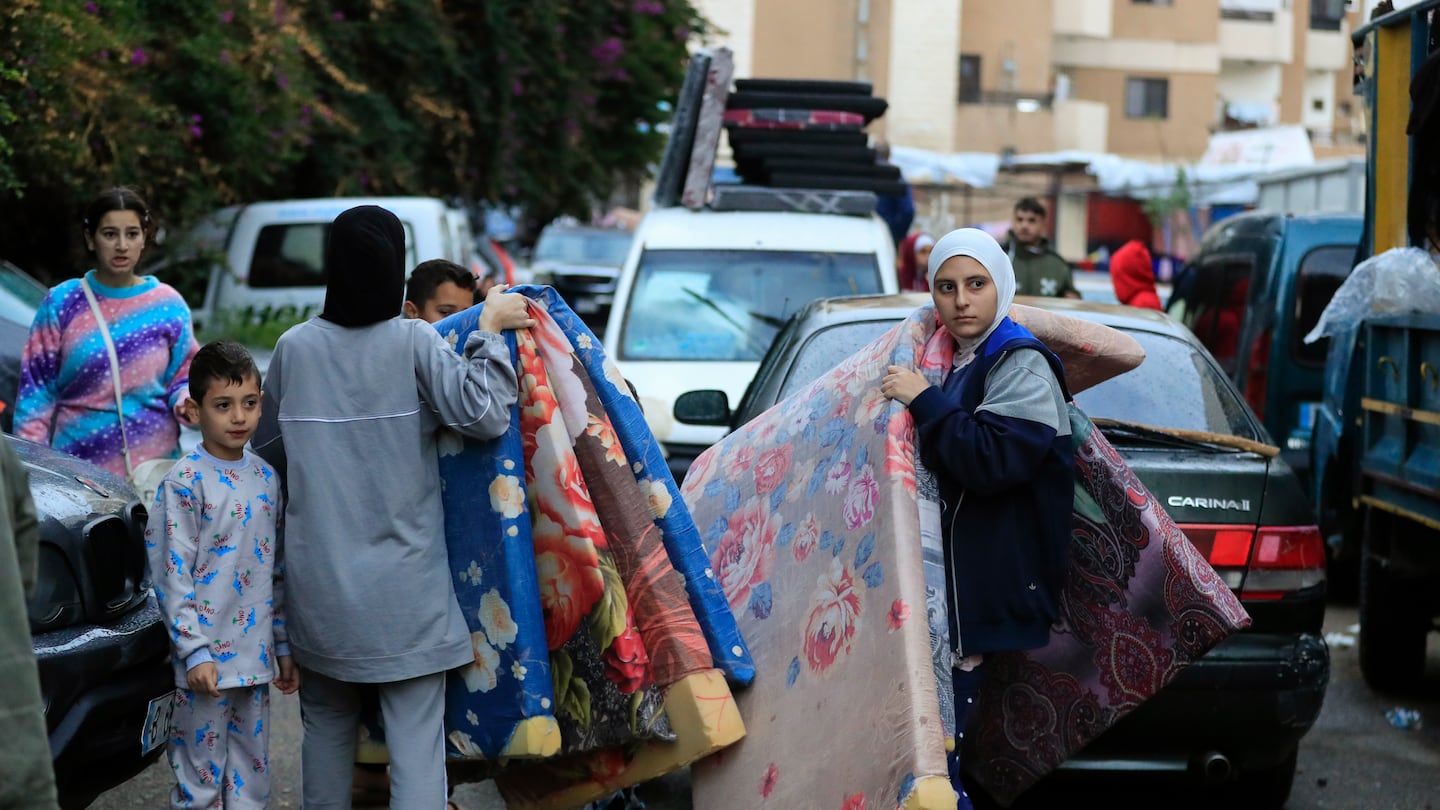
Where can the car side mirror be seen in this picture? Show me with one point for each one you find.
(707, 407)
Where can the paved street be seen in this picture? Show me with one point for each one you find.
(1353, 758)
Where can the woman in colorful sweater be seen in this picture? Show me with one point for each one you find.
(67, 390)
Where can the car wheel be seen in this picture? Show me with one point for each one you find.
(1394, 619)
(1266, 789)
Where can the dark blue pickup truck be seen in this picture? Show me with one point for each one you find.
(1376, 467)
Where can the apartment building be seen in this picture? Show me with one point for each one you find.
(1148, 79)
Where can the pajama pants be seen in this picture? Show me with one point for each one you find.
(967, 687)
(414, 715)
(217, 749)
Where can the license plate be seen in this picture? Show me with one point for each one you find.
(157, 723)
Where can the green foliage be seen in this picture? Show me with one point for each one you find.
(1177, 198)
(243, 330)
(540, 103)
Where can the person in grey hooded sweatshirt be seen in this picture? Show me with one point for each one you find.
(353, 402)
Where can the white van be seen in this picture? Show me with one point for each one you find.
(267, 259)
(703, 293)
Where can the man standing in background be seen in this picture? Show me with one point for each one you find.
(1039, 270)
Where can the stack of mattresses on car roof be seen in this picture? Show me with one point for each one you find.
(798, 144)
(794, 133)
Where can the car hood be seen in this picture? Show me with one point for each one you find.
(68, 489)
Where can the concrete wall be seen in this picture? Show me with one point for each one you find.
(1182, 136)
(924, 72)
(1184, 21)
(1082, 125)
(805, 39)
(736, 21)
(1259, 40)
(1084, 18)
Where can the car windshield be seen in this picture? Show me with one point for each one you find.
(20, 295)
(1176, 387)
(604, 248)
(729, 304)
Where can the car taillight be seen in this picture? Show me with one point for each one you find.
(1285, 559)
(1226, 547)
(1265, 563)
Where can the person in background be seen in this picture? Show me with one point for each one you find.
(1132, 273)
(369, 592)
(438, 289)
(67, 392)
(213, 540)
(914, 257)
(27, 781)
(996, 435)
(898, 210)
(1039, 270)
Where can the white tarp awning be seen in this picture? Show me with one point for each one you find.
(1224, 176)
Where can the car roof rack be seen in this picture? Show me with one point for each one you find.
(799, 144)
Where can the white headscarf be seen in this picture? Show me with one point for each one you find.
(983, 248)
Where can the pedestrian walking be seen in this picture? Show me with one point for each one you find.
(370, 596)
(104, 370)
(213, 541)
(996, 435)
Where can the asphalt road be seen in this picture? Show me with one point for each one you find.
(1352, 759)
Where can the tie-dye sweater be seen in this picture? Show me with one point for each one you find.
(67, 398)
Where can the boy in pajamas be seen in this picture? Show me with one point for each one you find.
(213, 542)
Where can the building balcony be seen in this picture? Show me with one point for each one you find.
(1252, 35)
(1083, 18)
(1082, 125)
(1327, 50)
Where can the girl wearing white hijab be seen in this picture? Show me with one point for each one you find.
(996, 436)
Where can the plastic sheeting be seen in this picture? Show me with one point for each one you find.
(1397, 281)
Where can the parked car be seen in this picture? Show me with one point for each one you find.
(703, 293)
(265, 262)
(1252, 293)
(581, 262)
(20, 296)
(100, 639)
(1237, 715)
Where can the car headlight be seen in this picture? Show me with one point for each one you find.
(55, 602)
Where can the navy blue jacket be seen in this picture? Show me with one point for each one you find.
(1007, 495)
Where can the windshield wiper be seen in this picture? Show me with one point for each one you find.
(1175, 437)
(739, 327)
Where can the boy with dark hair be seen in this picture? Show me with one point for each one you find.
(214, 546)
(438, 289)
(1039, 270)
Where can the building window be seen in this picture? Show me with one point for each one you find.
(1147, 98)
(1327, 15)
(969, 78)
(1317, 104)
